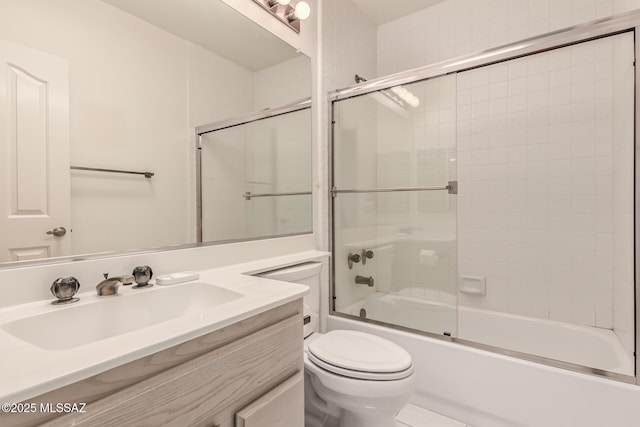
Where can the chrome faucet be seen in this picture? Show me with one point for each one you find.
(109, 286)
(361, 280)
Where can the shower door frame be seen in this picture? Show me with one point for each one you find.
(299, 105)
(623, 23)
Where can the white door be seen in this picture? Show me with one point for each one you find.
(34, 154)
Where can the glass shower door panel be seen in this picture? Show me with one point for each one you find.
(278, 165)
(546, 203)
(394, 221)
(256, 178)
(410, 279)
(223, 183)
(382, 141)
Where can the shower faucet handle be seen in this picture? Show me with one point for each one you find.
(366, 254)
(351, 258)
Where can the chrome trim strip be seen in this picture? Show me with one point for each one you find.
(499, 350)
(553, 40)
(198, 188)
(331, 207)
(636, 202)
(301, 104)
(249, 196)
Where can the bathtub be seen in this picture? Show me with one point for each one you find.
(487, 389)
(581, 345)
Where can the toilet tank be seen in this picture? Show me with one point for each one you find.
(307, 274)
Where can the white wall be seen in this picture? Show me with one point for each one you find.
(218, 88)
(282, 83)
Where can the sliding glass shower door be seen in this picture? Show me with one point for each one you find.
(255, 178)
(535, 257)
(394, 208)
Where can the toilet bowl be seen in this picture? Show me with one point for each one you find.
(352, 379)
(364, 379)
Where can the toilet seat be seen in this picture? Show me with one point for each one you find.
(360, 355)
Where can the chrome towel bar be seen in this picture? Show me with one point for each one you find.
(451, 187)
(249, 196)
(82, 168)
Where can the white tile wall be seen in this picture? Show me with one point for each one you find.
(458, 27)
(536, 149)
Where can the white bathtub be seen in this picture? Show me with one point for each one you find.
(486, 389)
(592, 347)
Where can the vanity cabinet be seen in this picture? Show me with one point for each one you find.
(246, 371)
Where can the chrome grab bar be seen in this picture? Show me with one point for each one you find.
(249, 196)
(82, 168)
(451, 187)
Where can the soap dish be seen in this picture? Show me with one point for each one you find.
(174, 278)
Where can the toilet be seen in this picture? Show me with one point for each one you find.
(352, 378)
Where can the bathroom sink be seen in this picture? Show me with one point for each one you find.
(76, 325)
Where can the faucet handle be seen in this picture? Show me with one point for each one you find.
(366, 254)
(351, 258)
(142, 275)
(64, 288)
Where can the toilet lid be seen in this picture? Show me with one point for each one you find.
(360, 355)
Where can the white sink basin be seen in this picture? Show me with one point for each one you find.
(76, 325)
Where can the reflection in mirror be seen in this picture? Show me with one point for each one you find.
(121, 85)
(255, 177)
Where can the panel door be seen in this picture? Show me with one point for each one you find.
(34, 154)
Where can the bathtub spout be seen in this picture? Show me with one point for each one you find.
(361, 280)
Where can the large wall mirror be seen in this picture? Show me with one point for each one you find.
(89, 87)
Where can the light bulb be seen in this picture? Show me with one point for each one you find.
(284, 2)
(303, 10)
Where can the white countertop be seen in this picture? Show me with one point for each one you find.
(27, 371)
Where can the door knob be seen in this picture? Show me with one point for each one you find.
(58, 231)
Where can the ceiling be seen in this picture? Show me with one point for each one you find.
(382, 11)
(215, 26)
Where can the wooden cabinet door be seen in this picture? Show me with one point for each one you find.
(281, 407)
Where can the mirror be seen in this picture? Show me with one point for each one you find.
(121, 85)
(266, 160)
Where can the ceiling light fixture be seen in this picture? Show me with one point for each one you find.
(286, 13)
